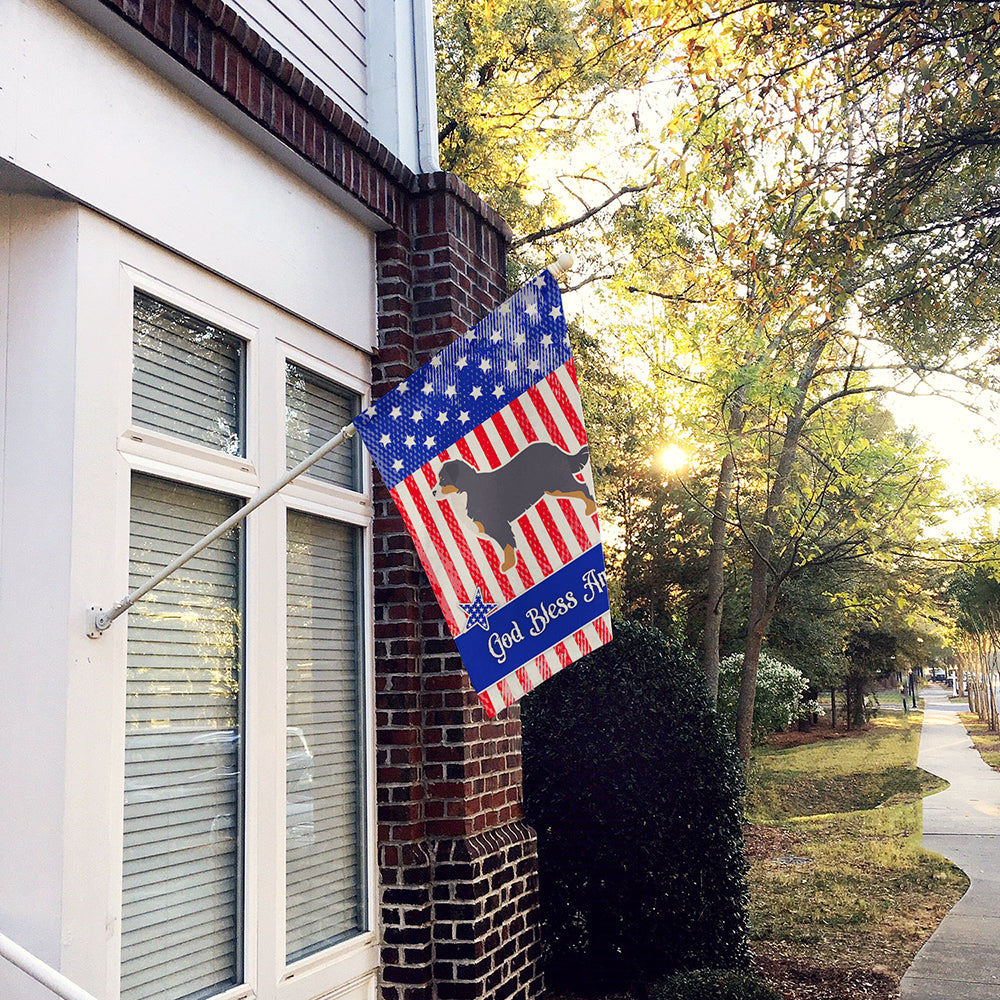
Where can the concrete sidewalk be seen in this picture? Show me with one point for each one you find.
(961, 960)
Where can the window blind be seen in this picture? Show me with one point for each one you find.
(181, 892)
(315, 410)
(325, 890)
(187, 376)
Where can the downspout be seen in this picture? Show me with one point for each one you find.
(425, 86)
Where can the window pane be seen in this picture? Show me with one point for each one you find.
(315, 410)
(181, 905)
(187, 376)
(325, 889)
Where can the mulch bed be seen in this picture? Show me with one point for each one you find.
(820, 730)
(800, 980)
(762, 842)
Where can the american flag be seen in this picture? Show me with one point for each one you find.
(521, 614)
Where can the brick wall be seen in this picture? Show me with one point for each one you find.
(458, 867)
(486, 941)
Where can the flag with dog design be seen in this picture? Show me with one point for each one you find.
(485, 454)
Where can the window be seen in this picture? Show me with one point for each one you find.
(187, 376)
(315, 410)
(207, 833)
(182, 872)
(324, 860)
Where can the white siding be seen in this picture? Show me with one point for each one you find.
(325, 39)
(113, 135)
(375, 58)
(36, 338)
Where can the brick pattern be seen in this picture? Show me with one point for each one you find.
(460, 919)
(461, 923)
(483, 915)
(458, 867)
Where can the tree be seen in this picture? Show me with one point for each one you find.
(806, 265)
(853, 491)
(871, 653)
(803, 215)
(521, 79)
(921, 165)
(976, 593)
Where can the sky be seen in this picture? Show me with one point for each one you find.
(957, 436)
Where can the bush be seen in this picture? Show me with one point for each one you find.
(634, 790)
(779, 692)
(710, 984)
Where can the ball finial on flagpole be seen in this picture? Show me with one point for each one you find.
(561, 265)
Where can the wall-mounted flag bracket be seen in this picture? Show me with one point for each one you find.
(101, 619)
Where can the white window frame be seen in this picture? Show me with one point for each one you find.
(272, 337)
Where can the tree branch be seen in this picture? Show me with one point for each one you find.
(542, 234)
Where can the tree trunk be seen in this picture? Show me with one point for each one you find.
(762, 603)
(762, 597)
(716, 582)
(859, 704)
(991, 697)
(717, 555)
(833, 708)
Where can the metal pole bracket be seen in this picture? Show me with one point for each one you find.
(98, 622)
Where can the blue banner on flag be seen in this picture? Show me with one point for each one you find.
(485, 454)
(517, 632)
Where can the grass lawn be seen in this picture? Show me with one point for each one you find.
(987, 743)
(842, 895)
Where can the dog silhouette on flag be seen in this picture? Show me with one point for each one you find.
(495, 499)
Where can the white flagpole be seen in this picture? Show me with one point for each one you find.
(101, 619)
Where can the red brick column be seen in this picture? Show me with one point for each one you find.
(459, 868)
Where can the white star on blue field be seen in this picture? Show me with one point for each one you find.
(514, 348)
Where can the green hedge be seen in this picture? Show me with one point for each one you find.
(634, 790)
(708, 984)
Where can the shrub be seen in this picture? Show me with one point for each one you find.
(634, 790)
(711, 984)
(779, 692)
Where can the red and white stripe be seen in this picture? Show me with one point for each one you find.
(519, 682)
(458, 560)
